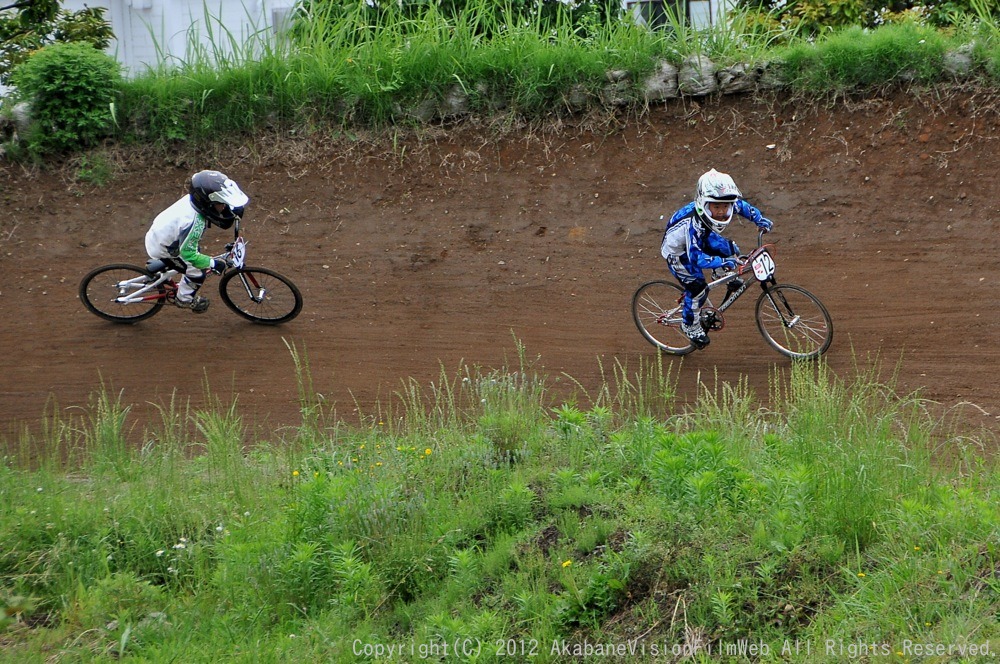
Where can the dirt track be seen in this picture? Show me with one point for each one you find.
(415, 259)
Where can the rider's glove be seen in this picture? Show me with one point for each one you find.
(219, 265)
(765, 224)
(728, 264)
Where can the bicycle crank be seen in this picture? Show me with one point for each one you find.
(712, 319)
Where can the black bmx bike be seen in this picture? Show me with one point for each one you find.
(125, 293)
(791, 319)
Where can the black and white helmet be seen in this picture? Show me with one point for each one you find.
(716, 187)
(211, 187)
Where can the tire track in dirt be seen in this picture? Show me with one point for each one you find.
(887, 209)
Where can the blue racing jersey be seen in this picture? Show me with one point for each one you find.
(690, 246)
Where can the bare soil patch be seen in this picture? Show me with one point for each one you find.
(440, 248)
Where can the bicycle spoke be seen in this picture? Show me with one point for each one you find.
(101, 292)
(794, 322)
(658, 316)
(261, 295)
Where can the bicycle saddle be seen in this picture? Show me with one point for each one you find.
(155, 265)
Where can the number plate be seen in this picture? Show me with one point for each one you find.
(763, 266)
(239, 253)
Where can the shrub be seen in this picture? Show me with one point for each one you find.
(70, 87)
(853, 58)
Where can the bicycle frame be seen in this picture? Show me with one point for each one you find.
(147, 291)
(742, 269)
(769, 280)
(728, 302)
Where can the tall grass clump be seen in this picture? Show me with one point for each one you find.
(741, 35)
(855, 58)
(648, 391)
(503, 515)
(105, 438)
(355, 64)
(232, 85)
(863, 454)
(382, 64)
(360, 65)
(987, 37)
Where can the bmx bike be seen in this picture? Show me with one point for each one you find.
(791, 319)
(125, 293)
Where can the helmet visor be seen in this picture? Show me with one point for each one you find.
(229, 194)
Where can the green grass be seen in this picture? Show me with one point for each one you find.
(478, 513)
(342, 69)
(355, 68)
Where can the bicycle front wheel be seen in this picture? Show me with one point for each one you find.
(103, 289)
(656, 310)
(260, 295)
(794, 322)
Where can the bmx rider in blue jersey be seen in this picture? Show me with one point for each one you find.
(693, 242)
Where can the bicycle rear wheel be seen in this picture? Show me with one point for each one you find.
(260, 295)
(100, 290)
(656, 310)
(794, 322)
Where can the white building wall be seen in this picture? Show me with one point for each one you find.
(152, 33)
(702, 13)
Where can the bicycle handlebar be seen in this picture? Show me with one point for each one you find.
(742, 260)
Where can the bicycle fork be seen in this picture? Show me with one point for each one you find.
(249, 284)
(788, 317)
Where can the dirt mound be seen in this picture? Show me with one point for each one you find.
(445, 248)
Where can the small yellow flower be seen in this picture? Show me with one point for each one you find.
(378, 464)
(916, 548)
(427, 451)
(295, 473)
(940, 571)
(861, 575)
(567, 563)
(899, 652)
(927, 624)
(316, 474)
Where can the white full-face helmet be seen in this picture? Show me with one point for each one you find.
(210, 187)
(716, 187)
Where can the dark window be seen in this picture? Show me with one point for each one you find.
(654, 12)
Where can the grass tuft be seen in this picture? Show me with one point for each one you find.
(486, 512)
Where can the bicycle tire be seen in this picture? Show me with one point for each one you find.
(656, 311)
(811, 332)
(99, 289)
(282, 301)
